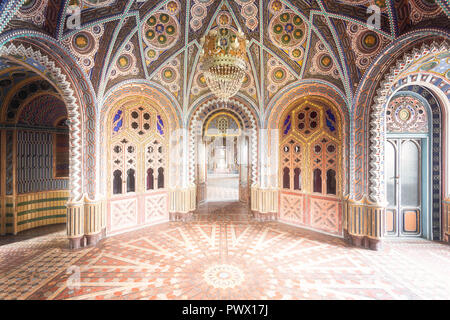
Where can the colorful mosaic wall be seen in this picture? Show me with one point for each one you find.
(7, 10)
(326, 45)
(36, 163)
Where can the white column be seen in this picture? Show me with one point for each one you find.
(263, 157)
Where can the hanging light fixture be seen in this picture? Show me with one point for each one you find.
(224, 62)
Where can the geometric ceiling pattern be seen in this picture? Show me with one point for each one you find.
(20, 86)
(44, 110)
(159, 41)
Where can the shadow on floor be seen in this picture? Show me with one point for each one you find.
(45, 232)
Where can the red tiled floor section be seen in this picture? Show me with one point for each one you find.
(222, 254)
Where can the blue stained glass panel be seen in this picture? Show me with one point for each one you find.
(330, 126)
(160, 125)
(118, 121)
(331, 120)
(331, 115)
(287, 125)
(118, 126)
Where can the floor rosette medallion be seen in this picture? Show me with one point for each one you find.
(223, 276)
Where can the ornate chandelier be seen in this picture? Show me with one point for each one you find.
(224, 62)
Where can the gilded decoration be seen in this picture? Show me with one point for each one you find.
(222, 124)
(310, 139)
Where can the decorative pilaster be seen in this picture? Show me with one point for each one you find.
(86, 222)
(264, 203)
(364, 223)
(182, 203)
(94, 220)
(2, 182)
(10, 221)
(14, 182)
(446, 218)
(75, 224)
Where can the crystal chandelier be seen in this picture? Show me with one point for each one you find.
(224, 62)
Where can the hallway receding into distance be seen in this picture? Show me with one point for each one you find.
(223, 187)
(221, 254)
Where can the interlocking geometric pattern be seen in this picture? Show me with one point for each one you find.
(138, 153)
(291, 208)
(274, 261)
(156, 207)
(406, 114)
(35, 171)
(325, 215)
(310, 166)
(123, 214)
(377, 121)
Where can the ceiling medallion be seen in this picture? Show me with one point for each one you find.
(224, 62)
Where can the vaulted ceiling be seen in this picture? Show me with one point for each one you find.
(159, 41)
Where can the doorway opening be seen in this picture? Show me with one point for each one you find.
(407, 167)
(34, 154)
(222, 169)
(223, 159)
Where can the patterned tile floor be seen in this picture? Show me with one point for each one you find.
(221, 254)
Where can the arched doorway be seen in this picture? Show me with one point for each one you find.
(413, 149)
(137, 171)
(224, 158)
(424, 70)
(43, 153)
(34, 153)
(245, 151)
(310, 165)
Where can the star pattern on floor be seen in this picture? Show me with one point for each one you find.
(224, 254)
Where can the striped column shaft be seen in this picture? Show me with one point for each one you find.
(94, 220)
(75, 224)
(182, 200)
(363, 222)
(92, 217)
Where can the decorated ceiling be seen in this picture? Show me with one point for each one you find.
(159, 41)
